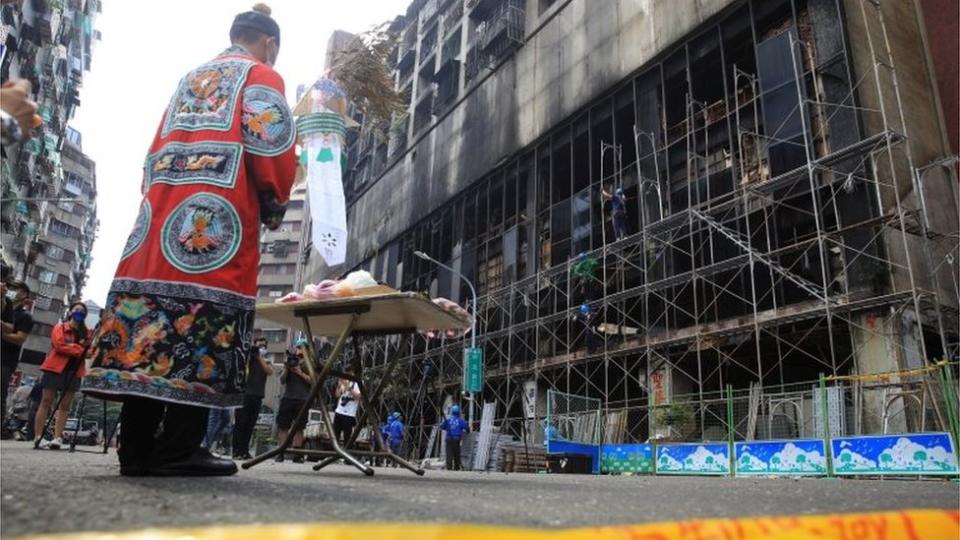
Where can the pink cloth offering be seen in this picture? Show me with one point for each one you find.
(451, 307)
(290, 297)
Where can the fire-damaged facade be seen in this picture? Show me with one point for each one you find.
(778, 171)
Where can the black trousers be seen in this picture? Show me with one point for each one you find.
(244, 423)
(183, 430)
(343, 427)
(453, 455)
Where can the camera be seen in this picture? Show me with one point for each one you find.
(293, 360)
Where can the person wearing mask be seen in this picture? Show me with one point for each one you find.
(258, 369)
(345, 416)
(62, 370)
(14, 329)
(296, 392)
(174, 336)
(456, 428)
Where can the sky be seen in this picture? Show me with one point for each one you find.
(146, 48)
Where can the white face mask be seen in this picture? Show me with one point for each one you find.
(263, 350)
(11, 295)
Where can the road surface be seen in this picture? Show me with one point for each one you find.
(46, 491)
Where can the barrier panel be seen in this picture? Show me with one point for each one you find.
(807, 457)
(626, 458)
(899, 454)
(693, 458)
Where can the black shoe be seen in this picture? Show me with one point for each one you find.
(201, 463)
(242, 457)
(279, 459)
(298, 459)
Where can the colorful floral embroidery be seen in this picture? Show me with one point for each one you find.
(265, 121)
(170, 348)
(207, 97)
(201, 234)
(195, 163)
(140, 228)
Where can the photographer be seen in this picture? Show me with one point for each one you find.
(17, 323)
(348, 394)
(296, 391)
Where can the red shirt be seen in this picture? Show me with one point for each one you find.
(64, 347)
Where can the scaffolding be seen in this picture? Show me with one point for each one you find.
(716, 290)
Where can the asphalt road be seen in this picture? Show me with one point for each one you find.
(45, 491)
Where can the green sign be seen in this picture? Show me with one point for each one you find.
(473, 370)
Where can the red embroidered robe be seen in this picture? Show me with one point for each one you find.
(178, 321)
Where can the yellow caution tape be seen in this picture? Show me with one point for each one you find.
(908, 524)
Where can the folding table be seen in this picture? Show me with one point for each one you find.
(393, 313)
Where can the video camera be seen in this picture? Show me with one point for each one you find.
(292, 360)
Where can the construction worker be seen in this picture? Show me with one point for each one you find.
(455, 427)
(586, 316)
(395, 433)
(618, 212)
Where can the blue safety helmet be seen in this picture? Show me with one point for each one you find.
(397, 415)
(455, 410)
(585, 309)
(619, 192)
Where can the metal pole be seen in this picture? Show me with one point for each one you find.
(730, 429)
(473, 320)
(825, 423)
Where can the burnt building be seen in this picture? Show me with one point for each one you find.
(791, 208)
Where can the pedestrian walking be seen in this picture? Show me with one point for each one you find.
(296, 392)
(175, 334)
(14, 329)
(258, 369)
(345, 416)
(456, 428)
(62, 370)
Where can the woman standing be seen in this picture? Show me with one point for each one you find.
(68, 342)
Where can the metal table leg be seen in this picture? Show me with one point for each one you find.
(367, 408)
(314, 392)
